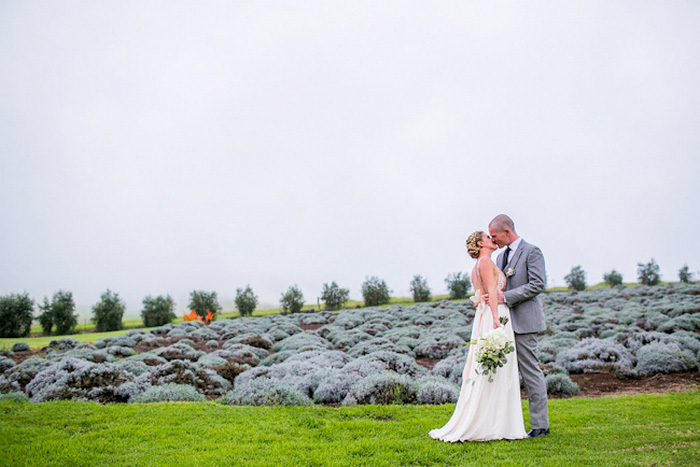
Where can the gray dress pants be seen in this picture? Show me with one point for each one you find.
(535, 385)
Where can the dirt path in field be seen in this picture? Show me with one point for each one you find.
(607, 384)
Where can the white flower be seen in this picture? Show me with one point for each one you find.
(490, 351)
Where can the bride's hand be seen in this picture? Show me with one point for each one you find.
(497, 323)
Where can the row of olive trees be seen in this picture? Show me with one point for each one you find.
(375, 292)
(647, 274)
(58, 315)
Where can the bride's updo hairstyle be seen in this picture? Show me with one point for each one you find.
(473, 247)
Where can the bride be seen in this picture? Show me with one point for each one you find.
(486, 410)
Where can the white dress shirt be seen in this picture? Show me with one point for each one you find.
(513, 248)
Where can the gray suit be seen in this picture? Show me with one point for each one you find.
(523, 285)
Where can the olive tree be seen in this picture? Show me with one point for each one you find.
(201, 302)
(334, 296)
(420, 289)
(16, 314)
(684, 274)
(59, 313)
(649, 273)
(576, 279)
(375, 291)
(458, 284)
(158, 311)
(108, 313)
(246, 301)
(613, 278)
(292, 301)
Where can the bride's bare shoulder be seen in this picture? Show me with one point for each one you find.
(485, 264)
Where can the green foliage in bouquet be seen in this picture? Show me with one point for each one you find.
(490, 351)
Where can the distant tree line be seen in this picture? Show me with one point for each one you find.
(647, 274)
(58, 315)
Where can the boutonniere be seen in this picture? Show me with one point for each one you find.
(510, 272)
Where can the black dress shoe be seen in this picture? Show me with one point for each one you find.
(538, 432)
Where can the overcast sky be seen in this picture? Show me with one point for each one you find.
(160, 147)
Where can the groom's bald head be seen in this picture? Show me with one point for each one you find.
(502, 230)
(502, 222)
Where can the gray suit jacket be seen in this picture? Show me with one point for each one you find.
(524, 286)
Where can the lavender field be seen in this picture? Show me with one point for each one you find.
(397, 354)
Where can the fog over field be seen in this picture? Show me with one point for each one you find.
(156, 148)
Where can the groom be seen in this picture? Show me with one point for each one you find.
(523, 265)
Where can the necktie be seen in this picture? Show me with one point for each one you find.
(505, 258)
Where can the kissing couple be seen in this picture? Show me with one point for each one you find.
(507, 292)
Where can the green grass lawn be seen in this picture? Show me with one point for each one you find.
(652, 429)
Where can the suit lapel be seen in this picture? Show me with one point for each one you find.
(513, 260)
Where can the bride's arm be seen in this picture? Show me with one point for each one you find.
(486, 269)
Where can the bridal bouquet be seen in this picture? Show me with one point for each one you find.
(490, 352)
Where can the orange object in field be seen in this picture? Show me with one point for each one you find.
(193, 316)
(209, 318)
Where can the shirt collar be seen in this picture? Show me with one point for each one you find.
(514, 246)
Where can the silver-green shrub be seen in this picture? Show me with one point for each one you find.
(595, 355)
(377, 344)
(6, 364)
(387, 360)
(135, 367)
(20, 347)
(334, 386)
(263, 391)
(450, 368)
(17, 377)
(434, 390)
(560, 383)
(204, 380)
(384, 388)
(73, 379)
(658, 358)
(169, 393)
(15, 396)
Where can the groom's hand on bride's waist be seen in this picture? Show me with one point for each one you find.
(500, 297)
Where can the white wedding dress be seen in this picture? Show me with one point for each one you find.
(486, 411)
